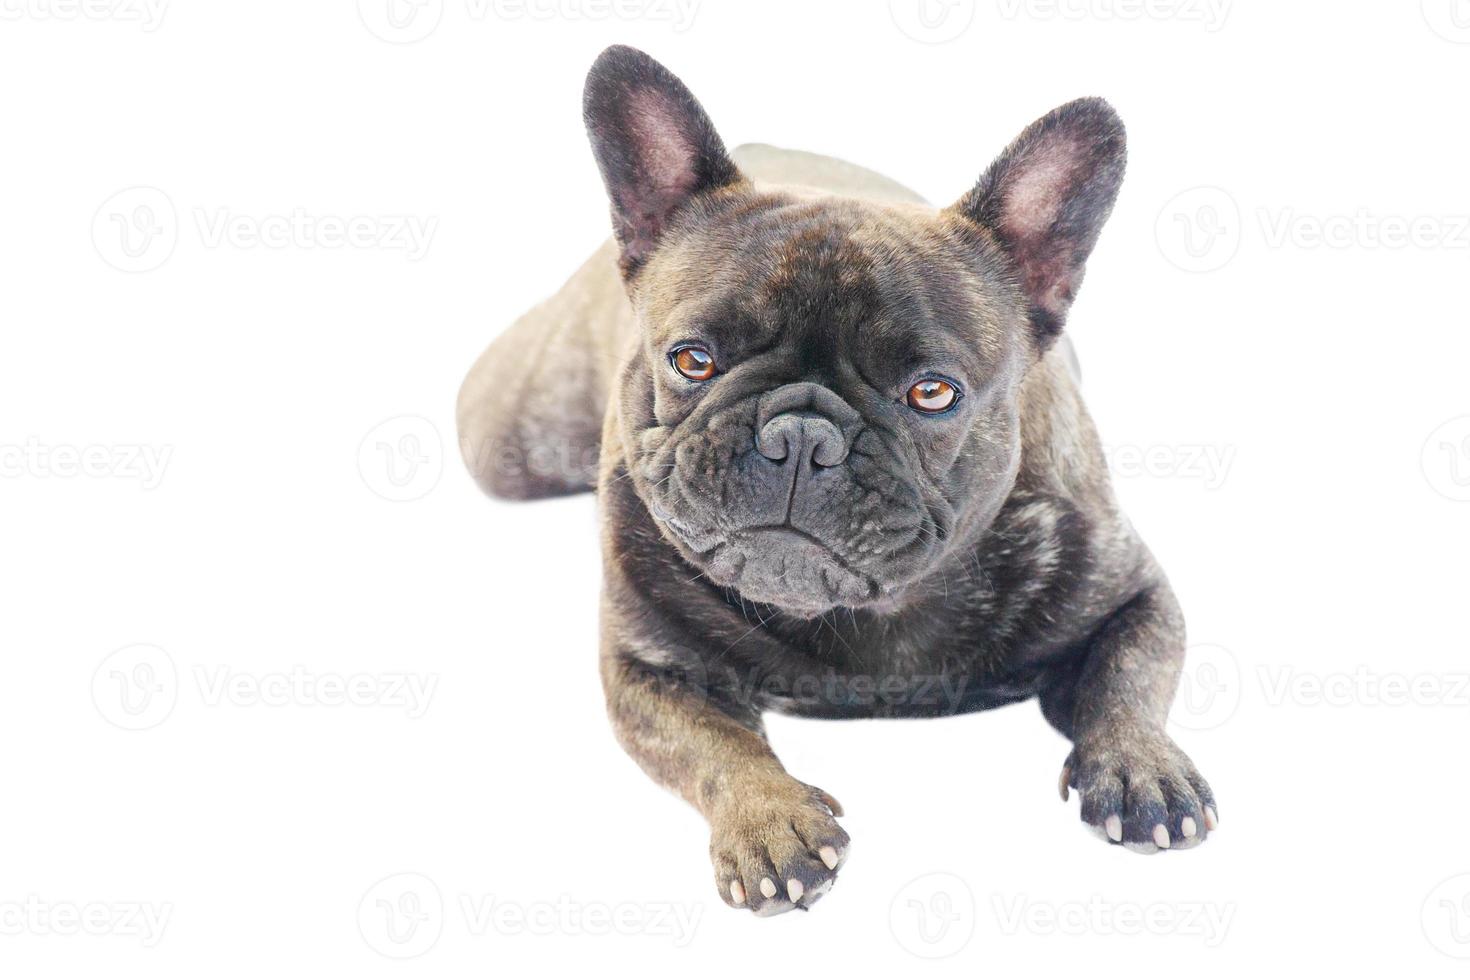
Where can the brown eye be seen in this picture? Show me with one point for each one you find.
(933, 395)
(695, 363)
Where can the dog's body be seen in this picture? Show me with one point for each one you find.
(785, 534)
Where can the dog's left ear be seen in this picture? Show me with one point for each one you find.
(1045, 200)
(655, 145)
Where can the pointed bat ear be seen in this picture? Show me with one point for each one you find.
(1045, 200)
(654, 144)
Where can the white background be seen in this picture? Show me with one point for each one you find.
(1280, 377)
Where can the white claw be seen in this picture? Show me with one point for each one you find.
(795, 889)
(1161, 835)
(768, 888)
(1114, 826)
(1187, 827)
(1212, 819)
(737, 893)
(829, 857)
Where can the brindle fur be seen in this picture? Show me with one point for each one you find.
(954, 565)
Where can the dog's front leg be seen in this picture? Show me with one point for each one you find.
(1137, 786)
(773, 839)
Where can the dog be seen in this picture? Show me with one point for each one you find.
(843, 470)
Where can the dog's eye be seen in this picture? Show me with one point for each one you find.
(695, 363)
(932, 396)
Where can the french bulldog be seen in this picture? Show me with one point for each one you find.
(843, 470)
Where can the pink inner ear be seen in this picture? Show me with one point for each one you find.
(665, 154)
(1046, 177)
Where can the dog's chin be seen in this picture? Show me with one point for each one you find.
(788, 569)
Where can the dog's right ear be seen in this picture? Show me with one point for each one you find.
(654, 144)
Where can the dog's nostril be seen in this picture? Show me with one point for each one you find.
(775, 438)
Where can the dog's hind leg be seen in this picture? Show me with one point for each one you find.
(530, 409)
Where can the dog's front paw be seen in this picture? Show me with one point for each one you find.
(776, 849)
(1141, 791)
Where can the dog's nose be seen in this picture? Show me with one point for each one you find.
(806, 421)
(799, 436)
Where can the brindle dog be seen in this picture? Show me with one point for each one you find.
(844, 470)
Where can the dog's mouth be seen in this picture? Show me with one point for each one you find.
(775, 564)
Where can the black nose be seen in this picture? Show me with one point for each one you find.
(806, 421)
(796, 436)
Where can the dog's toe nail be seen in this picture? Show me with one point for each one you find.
(1114, 826)
(1187, 827)
(737, 893)
(768, 888)
(1212, 819)
(795, 889)
(829, 857)
(1161, 835)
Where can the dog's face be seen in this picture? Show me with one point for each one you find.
(827, 394)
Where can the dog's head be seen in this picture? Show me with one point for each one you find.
(826, 395)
